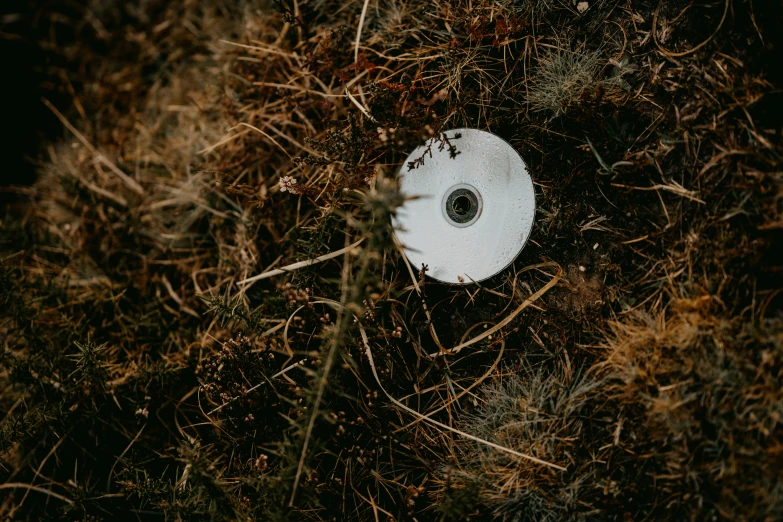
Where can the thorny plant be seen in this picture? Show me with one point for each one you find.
(190, 292)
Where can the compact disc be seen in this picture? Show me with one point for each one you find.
(466, 216)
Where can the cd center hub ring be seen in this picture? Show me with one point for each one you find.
(462, 205)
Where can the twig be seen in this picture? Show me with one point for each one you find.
(40, 466)
(300, 264)
(466, 390)
(694, 49)
(416, 286)
(278, 374)
(268, 137)
(680, 191)
(30, 487)
(359, 105)
(128, 447)
(359, 31)
(99, 157)
(510, 317)
(327, 367)
(223, 142)
(368, 353)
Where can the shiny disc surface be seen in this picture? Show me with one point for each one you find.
(472, 214)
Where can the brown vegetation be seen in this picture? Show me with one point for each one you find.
(170, 351)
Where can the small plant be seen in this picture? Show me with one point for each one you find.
(606, 169)
(532, 412)
(560, 80)
(92, 370)
(443, 142)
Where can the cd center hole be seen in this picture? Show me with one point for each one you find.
(462, 205)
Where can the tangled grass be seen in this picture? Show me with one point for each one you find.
(204, 314)
(561, 79)
(532, 412)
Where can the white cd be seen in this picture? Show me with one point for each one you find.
(468, 217)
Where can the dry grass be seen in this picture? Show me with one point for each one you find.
(147, 371)
(536, 412)
(561, 79)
